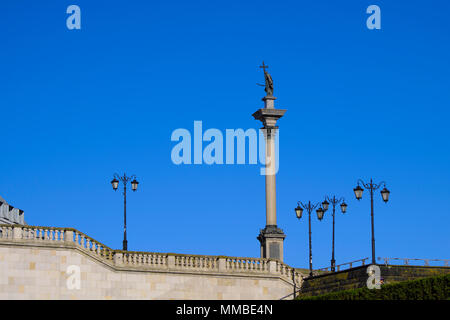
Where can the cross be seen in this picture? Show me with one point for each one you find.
(264, 67)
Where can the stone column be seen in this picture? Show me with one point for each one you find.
(271, 199)
(271, 237)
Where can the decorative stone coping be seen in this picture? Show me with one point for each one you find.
(148, 261)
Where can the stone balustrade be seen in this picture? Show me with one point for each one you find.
(149, 260)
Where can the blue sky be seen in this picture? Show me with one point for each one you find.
(79, 105)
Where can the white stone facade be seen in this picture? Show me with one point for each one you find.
(34, 264)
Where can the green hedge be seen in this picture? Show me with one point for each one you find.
(432, 288)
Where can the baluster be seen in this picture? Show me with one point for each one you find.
(177, 261)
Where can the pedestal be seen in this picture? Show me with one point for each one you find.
(271, 239)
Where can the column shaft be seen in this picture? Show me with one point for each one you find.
(271, 204)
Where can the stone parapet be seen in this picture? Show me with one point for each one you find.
(357, 278)
(63, 239)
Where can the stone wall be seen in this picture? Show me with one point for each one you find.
(357, 278)
(43, 263)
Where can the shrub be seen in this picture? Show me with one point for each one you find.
(432, 288)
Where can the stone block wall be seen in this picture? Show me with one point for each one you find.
(357, 278)
(36, 264)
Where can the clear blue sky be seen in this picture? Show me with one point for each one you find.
(78, 105)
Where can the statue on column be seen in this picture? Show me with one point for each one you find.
(268, 86)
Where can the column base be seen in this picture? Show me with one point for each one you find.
(271, 239)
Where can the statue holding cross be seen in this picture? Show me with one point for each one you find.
(268, 81)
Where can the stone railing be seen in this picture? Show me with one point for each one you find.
(149, 260)
(414, 261)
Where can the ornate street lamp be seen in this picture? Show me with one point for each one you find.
(298, 212)
(134, 184)
(115, 185)
(385, 196)
(343, 207)
(358, 192)
(334, 202)
(320, 213)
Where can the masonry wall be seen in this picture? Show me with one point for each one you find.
(357, 278)
(39, 271)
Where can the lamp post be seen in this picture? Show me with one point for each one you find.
(299, 211)
(115, 185)
(334, 202)
(384, 194)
